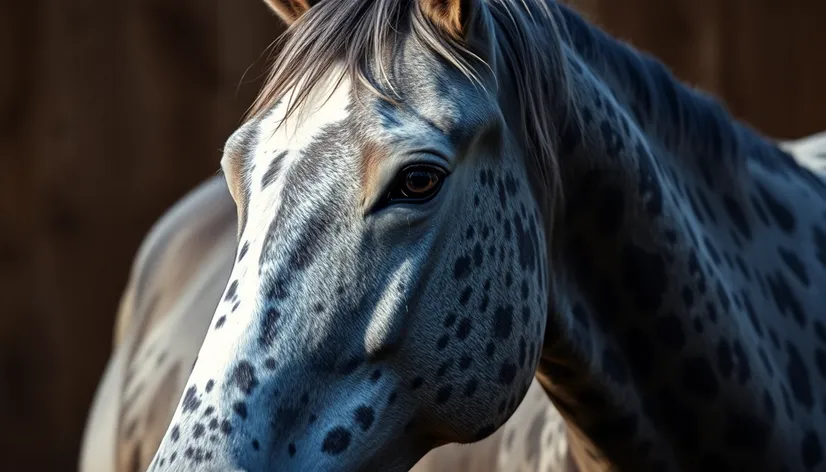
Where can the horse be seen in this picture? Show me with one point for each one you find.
(439, 200)
(176, 281)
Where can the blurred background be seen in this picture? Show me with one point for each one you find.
(111, 110)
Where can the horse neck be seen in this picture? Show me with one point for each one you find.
(680, 124)
(622, 253)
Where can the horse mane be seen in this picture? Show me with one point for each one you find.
(361, 35)
(683, 118)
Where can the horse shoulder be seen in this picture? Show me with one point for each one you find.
(185, 258)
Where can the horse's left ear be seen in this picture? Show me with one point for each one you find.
(457, 18)
(290, 10)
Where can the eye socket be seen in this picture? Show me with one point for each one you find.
(416, 183)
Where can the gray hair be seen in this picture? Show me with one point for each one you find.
(360, 33)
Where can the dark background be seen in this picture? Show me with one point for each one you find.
(112, 110)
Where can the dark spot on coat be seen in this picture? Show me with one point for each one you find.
(463, 329)
(795, 265)
(243, 376)
(231, 290)
(267, 327)
(441, 344)
(737, 216)
(273, 170)
(461, 268)
(243, 251)
(191, 401)
(784, 298)
(507, 372)
(336, 441)
(470, 387)
(364, 417)
(784, 218)
(240, 408)
(798, 377)
(226, 427)
(443, 394)
(503, 322)
(525, 243)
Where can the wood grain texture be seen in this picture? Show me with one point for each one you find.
(109, 112)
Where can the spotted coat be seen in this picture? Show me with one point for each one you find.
(197, 236)
(420, 233)
(177, 279)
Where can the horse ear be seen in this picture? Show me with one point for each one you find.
(454, 17)
(290, 10)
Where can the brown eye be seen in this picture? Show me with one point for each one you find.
(419, 182)
(416, 184)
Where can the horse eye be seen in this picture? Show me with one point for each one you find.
(416, 184)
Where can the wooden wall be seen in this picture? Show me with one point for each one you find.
(111, 110)
(764, 58)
